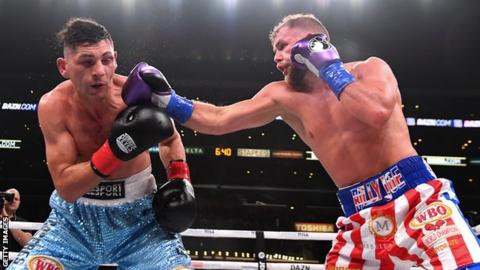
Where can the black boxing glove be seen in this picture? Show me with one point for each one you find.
(174, 202)
(135, 130)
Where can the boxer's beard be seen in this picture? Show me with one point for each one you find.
(296, 79)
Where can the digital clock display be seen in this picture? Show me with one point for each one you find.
(223, 151)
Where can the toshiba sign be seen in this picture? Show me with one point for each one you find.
(313, 227)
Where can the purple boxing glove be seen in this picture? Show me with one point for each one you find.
(146, 84)
(318, 55)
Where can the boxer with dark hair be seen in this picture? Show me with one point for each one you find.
(397, 212)
(97, 155)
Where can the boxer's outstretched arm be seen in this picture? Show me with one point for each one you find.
(217, 120)
(371, 98)
(71, 179)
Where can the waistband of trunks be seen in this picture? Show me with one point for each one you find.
(385, 186)
(117, 191)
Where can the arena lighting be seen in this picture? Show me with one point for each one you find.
(250, 152)
(310, 155)
(431, 160)
(455, 123)
(228, 152)
(287, 154)
(323, 4)
(153, 149)
(188, 150)
(357, 5)
(128, 7)
(175, 5)
(314, 227)
(18, 106)
(223, 151)
(10, 144)
(471, 123)
(475, 161)
(194, 150)
(230, 4)
(277, 2)
(446, 161)
(448, 123)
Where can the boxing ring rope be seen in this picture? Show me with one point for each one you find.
(233, 265)
(213, 233)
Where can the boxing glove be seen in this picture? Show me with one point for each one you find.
(174, 202)
(147, 84)
(135, 130)
(318, 55)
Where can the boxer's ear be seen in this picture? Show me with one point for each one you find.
(62, 67)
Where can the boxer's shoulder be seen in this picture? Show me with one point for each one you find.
(277, 88)
(372, 66)
(55, 106)
(371, 62)
(376, 62)
(58, 97)
(274, 91)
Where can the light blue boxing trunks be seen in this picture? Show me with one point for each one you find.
(112, 224)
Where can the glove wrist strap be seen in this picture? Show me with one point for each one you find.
(178, 169)
(104, 162)
(337, 77)
(179, 108)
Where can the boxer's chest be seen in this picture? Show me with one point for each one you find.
(89, 134)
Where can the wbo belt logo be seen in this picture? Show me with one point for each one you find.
(41, 262)
(370, 192)
(431, 217)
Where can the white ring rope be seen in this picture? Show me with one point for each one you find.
(29, 226)
(212, 233)
(231, 265)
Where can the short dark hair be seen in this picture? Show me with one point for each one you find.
(302, 20)
(78, 31)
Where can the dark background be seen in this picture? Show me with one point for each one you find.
(218, 51)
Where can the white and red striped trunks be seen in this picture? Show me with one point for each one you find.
(400, 218)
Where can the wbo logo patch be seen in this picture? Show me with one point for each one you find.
(42, 262)
(430, 215)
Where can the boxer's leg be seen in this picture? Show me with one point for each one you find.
(54, 246)
(438, 232)
(141, 244)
